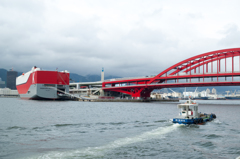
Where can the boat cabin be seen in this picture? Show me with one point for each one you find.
(189, 109)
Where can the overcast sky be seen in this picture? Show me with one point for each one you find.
(127, 37)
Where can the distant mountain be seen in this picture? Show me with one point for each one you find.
(76, 78)
(89, 78)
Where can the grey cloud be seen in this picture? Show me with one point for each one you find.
(33, 34)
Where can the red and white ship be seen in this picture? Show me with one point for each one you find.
(42, 84)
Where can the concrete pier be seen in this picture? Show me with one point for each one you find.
(126, 100)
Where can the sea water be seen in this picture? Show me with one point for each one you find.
(71, 129)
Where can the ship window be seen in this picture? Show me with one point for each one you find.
(49, 85)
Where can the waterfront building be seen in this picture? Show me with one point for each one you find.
(155, 95)
(204, 93)
(208, 90)
(165, 95)
(11, 79)
(197, 95)
(214, 91)
(6, 92)
(173, 95)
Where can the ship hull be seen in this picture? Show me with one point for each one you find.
(232, 98)
(46, 85)
(44, 92)
(201, 98)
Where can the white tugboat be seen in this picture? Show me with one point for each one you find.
(189, 114)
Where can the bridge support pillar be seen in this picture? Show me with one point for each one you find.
(102, 92)
(146, 93)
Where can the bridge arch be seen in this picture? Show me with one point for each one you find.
(186, 69)
(192, 63)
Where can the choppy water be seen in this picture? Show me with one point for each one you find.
(69, 129)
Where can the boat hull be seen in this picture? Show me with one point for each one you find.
(201, 120)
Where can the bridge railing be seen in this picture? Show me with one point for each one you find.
(184, 74)
(126, 78)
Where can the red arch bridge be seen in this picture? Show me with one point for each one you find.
(216, 68)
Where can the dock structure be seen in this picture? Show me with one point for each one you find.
(6, 92)
(93, 90)
(86, 88)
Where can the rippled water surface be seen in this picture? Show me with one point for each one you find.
(70, 129)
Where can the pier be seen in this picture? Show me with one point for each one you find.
(125, 100)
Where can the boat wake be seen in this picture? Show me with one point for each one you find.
(101, 150)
